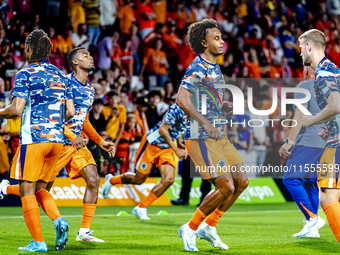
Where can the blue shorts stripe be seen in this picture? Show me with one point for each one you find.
(204, 152)
(142, 150)
(22, 158)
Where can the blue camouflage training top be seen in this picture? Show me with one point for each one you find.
(327, 76)
(177, 119)
(45, 89)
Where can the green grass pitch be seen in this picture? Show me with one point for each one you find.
(246, 229)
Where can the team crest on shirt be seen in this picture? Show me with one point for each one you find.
(143, 166)
(222, 164)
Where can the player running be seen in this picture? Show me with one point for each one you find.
(156, 148)
(326, 88)
(208, 147)
(306, 152)
(79, 163)
(40, 94)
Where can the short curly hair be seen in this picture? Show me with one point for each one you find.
(198, 32)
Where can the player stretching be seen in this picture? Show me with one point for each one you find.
(207, 145)
(39, 94)
(156, 148)
(326, 88)
(79, 163)
(307, 151)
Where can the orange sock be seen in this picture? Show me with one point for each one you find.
(32, 217)
(47, 203)
(214, 217)
(116, 180)
(88, 213)
(197, 219)
(13, 190)
(332, 211)
(148, 200)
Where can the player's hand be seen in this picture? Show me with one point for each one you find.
(213, 132)
(181, 153)
(228, 108)
(109, 148)
(307, 121)
(324, 133)
(79, 142)
(285, 149)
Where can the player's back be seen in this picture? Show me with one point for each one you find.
(308, 137)
(176, 118)
(44, 87)
(83, 96)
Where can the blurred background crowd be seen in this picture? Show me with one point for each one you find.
(141, 53)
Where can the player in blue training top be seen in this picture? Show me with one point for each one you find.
(306, 149)
(40, 94)
(156, 149)
(326, 88)
(211, 152)
(80, 162)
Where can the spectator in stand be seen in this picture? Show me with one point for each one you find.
(252, 39)
(299, 12)
(185, 55)
(98, 91)
(115, 115)
(242, 9)
(135, 42)
(117, 50)
(127, 56)
(52, 8)
(200, 11)
(145, 18)
(169, 89)
(76, 14)
(4, 160)
(334, 54)
(159, 32)
(108, 13)
(141, 120)
(171, 39)
(180, 16)
(92, 11)
(53, 39)
(19, 37)
(128, 137)
(152, 115)
(253, 65)
(333, 7)
(2, 90)
(64, 41)
(289, 41)
(159, 9)
(124, 100)
(125, 16)
(105, 52)
(80, 39)
(156, 64)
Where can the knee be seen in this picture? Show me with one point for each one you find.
(242, 184)
(168, 181)
(93, 181)
(227, 189)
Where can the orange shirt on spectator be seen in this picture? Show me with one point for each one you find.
(192, 17)
(185, 56)
(171, 40)
(65, 45)
(254, 70)
(274, 73)
(54, 42)
(141, 123)
(242, 10)
(180, 20)
(4, 162)
(77, 12)
(153, 61)
(113, 123)
(127, 60)
(142, 22)
(159, 8)
(125, 15)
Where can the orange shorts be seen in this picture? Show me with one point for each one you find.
(212, 158)
(149, 155)
(74, 161)
(35, 162)
(328, 174)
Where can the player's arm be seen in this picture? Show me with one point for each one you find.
(294, 131)
(180, 143)
(70, 110)
(329, 112)
(164, 133)
(184, 102)
(120, 132)
(94, 136)
(14, 110)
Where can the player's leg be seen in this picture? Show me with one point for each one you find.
(311, 186)
(92, 179)
(7, 189)
(329, 200)
(207, 230)
(168, 175)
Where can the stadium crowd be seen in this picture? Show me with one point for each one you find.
(141, 53)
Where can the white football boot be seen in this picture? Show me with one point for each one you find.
(209, 233)
(140, 213)
(189, 237)
(310, 226)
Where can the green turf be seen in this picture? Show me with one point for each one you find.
(247, 229)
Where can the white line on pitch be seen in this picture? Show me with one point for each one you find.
(172, 214)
